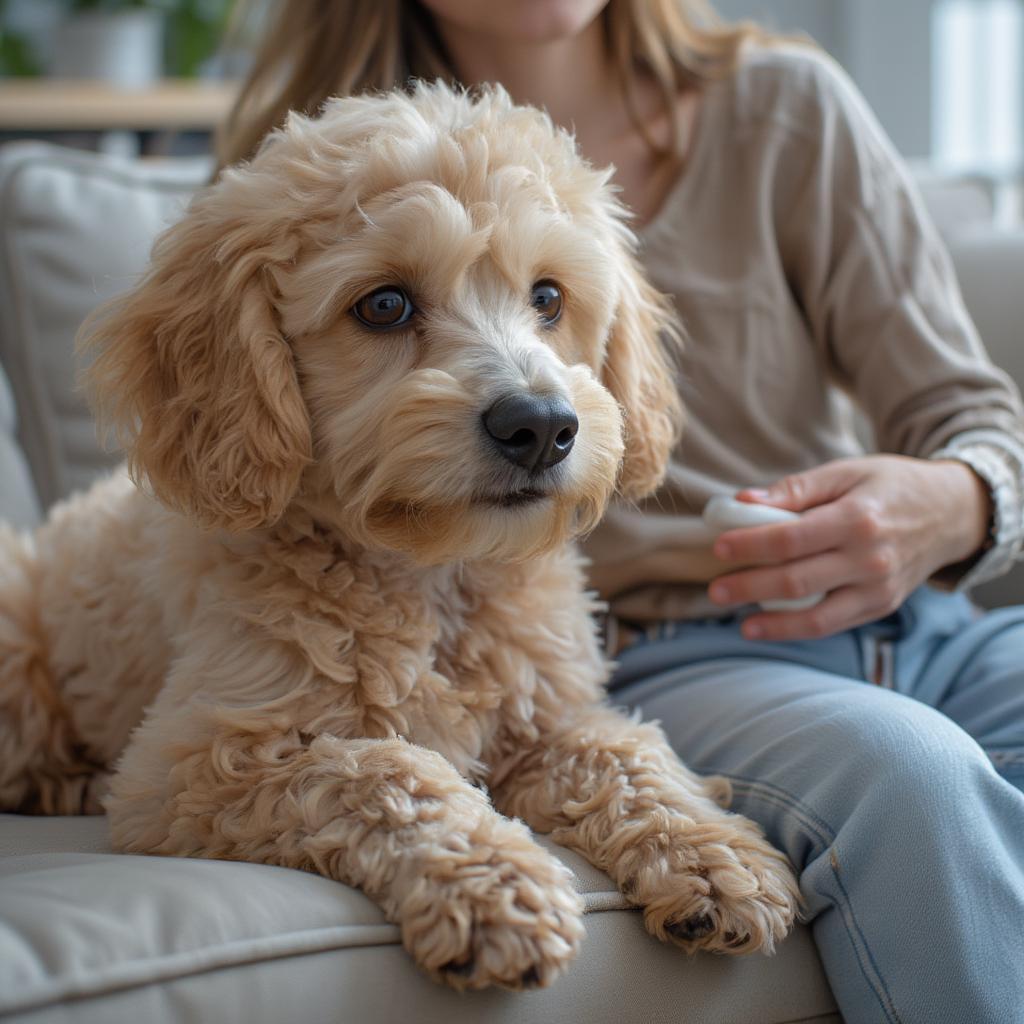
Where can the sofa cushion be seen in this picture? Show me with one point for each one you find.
(990, 268)
(956, 202)
(19, 505)
(77, 228)
(87, 935)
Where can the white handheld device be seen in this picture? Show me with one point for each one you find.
(723, 513)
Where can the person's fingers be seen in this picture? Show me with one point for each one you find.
(802, 578)
(821, 529)
(843, 609)
(813, 487)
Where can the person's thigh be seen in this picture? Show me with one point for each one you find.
(904, 837)
(798, 744)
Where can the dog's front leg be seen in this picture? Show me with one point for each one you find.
(478, 901)
(612, 789)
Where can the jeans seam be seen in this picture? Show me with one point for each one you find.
(886, 1004)
(823, 832)
(823, 837)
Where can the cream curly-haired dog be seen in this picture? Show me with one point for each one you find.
(373, 384)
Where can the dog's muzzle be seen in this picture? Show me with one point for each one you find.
(532, 431)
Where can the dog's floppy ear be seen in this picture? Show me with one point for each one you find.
(192, 371)
(640, 371)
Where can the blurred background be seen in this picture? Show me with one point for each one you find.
(946, 77)
(121, 76)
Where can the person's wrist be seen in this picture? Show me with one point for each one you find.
(967, 514)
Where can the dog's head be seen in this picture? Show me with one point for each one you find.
(419, 316)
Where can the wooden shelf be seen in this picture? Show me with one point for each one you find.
(65, 105)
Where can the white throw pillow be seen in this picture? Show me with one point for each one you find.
(77, 228)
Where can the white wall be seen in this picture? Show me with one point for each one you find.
(884, 44)
(818, 18)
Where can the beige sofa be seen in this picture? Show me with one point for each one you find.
(90, 936)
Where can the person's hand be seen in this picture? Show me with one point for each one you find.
(872, 530)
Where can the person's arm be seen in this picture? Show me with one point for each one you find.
(879, 293)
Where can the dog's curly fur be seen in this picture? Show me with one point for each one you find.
(325, 613)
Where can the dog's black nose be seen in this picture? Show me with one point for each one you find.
(533, 431)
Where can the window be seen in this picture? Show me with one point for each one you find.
(978, 85)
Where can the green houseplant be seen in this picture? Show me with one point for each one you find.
(134, 42)
(193, 28)
(120, 43)
(17, 54)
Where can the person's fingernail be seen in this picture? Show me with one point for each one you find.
(719, 593)
(723, 549)
(757, 492)
(752, 631)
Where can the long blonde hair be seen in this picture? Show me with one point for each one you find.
(313, 49)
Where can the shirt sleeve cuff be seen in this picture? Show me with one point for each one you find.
(998, 459)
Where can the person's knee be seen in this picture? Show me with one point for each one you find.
(896, 753)
(807, 752)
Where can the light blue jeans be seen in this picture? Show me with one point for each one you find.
(888, 763)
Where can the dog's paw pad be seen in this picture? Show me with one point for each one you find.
(695, 927)
(530, 978)
(458, 968)
(728, 893)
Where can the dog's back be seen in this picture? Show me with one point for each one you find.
(83, 644)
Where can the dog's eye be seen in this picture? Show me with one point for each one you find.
(384, 307)
(546, 299)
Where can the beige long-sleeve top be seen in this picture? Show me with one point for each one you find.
(808, 278)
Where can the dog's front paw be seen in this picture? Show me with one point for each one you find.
(714, 885)
(506, 916)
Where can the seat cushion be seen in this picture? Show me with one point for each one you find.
(91, 936)
(76, 229)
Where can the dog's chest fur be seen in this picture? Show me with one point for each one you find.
(464, 659)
